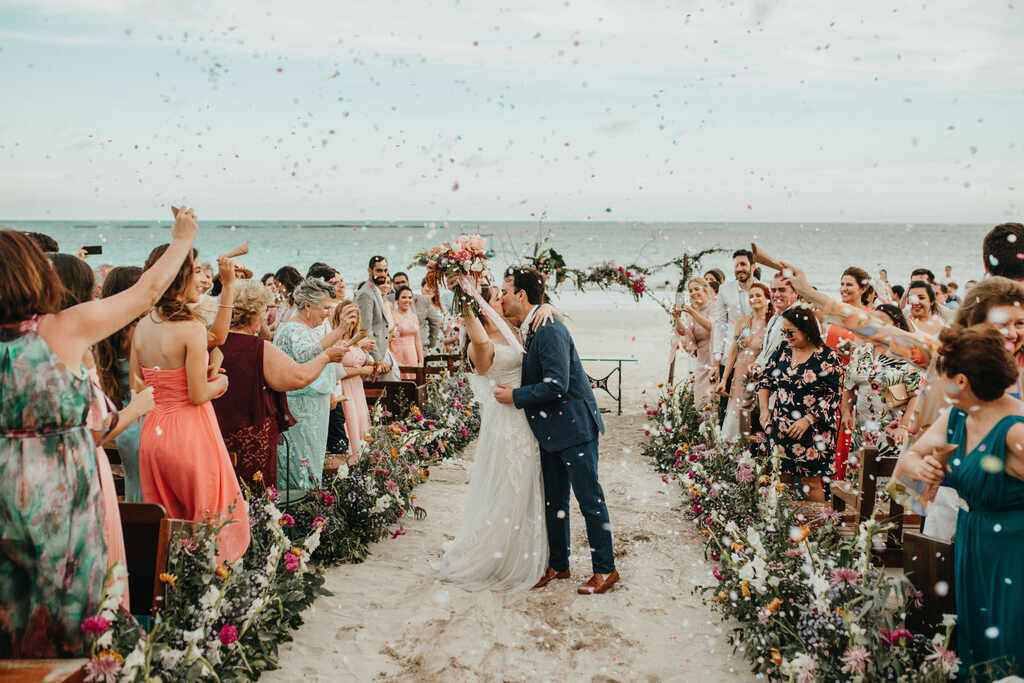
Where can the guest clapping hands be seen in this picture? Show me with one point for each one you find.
(695, 330)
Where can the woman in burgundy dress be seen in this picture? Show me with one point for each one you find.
(254, 410)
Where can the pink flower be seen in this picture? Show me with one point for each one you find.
(946, 659)
(102, 669)
(291, 562)
(856, 660)
(319, 523)
(744, 475)
(840, 577)
(271, 493)
(894, 638)
(718, 574)
(692, 457)
(228, 633)
(95, 624)
(328, 499)
(795, 552)
(287, 521)
(465, 434)
(696, 509)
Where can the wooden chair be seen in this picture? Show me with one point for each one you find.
(116, 468)
(862, 502)
(39, 670)
(437, 362)
(929, 562)
(397, 397)
(145, 541)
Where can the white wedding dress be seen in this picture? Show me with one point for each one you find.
(502, 544)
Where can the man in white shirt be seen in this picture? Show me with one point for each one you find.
(730, 306)
(784, 297)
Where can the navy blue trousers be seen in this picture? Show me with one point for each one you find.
(576, 468)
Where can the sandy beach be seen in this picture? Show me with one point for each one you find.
(389, 618)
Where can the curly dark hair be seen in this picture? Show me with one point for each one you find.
(979, 353)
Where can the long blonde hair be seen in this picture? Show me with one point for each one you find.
(337, 319)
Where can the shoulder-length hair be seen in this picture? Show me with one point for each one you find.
(172, 305)
(29, 286)
(804, 320)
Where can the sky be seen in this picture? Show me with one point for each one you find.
(597, 110)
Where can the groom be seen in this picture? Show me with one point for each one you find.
(563, 415)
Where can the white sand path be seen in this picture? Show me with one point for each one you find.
(390, 619)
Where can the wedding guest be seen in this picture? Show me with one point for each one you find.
(358, 365)
(947, 276)
(697, 339)
(407, 346)
(880, 395)
(301, 464)
(1001, 251)
(183, 463)
(923, 274)
(47, 244)
(288, 278)
(998, 301)
(731, 304)
(205, 277)
(374, 318)
(953, 298)
(331, 276)
(253, 412)
(78, 282)
(923, 310)
(803, 376)
(748, 338)
(897, 292)
(981, 440)
(715, 278)
(267, 280)
(783, 298)
(112, 356)
(448, 337)
(54, 557)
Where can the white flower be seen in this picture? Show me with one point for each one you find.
(170, 658)
(949, 620)
(133, 661)
(106, 640)
(342, 472)
(192, 637)
(382, 504)
(209, 598)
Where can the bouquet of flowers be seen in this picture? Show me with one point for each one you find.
(466, 256)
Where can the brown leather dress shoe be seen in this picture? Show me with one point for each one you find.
(550, 575)
(599, 583)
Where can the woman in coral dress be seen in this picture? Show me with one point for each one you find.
(183, 462)
(406, 346)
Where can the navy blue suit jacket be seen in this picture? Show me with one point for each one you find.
(555, 392)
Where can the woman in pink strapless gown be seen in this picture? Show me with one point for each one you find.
(697, 339)
(184, 464)
(407, 347)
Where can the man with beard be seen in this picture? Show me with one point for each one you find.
(374, 319)
(730, 306)
(784, 297)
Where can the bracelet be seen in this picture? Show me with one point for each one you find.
(223, 306)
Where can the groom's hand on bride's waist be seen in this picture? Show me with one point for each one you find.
(503, 394)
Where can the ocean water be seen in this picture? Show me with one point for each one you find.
(822, 249)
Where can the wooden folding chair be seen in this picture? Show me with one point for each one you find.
(929, 565)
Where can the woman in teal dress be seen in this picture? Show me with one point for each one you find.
(979, 451)
(300, 463)
(52, 554)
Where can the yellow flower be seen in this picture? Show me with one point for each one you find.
(722, 596)
(776, 657)
(801, 533)
(257, 476)
(169, 579)
(394, 452)
(774, 605)
(415, 410)
(222, 571)
(368, 438)
(745, 588)
(737, 546)
(779, 487)
(705, 532)
(297, 552)
(110, 653)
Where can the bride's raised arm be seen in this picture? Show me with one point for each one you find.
(481, 348)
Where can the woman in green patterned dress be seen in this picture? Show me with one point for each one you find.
(52, 556)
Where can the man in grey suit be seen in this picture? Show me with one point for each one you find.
(373, 320)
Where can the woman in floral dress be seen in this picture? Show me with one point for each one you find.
(880, 394)
(52, 554)
(803, 378)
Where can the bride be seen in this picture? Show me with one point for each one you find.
(502, 544)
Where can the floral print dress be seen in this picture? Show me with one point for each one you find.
(809, 388)
(53, 556)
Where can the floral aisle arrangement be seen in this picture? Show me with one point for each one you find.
(226, 621)
(606, 275)
(808, 603)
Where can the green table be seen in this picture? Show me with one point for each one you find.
(602, 382)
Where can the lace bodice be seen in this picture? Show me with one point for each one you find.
(507, 367)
